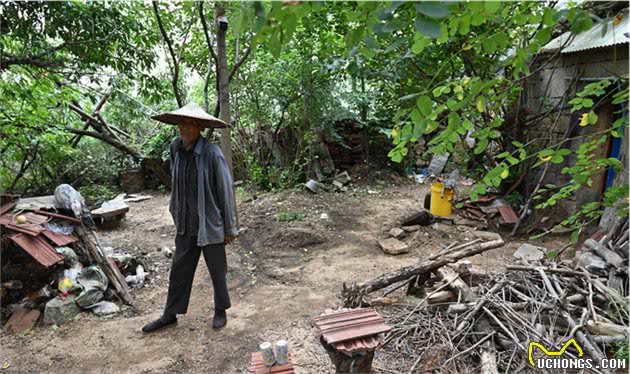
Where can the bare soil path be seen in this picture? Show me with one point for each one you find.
(280, 275)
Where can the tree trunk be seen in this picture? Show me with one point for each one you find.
(224, 85)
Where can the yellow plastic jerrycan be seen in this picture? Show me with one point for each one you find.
(441, 200)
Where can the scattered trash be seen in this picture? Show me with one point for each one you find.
(136, 280)
(167, 252)
(93, 283)
(69, 256)
(104, 308)
(60, 228)
(324, 216)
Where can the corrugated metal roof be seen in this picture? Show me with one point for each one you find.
(593, 38)
(508, 214)
(365, 344)
(60, 239)
(345, 325)
(38, 248)
(257, 365)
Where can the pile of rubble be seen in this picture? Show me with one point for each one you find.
(456, 318)
(337, 184)
(52, 262)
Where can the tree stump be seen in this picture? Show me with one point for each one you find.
(132, 180)
(360, 362)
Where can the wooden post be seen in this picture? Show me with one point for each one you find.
(357, 363)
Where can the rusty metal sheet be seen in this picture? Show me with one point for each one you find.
(508, 214)
(38, 248)
(5, 208)
(257, 365)
(25, 228)
(364, 344)
(60, 216)
(60, 239)
(35, 218)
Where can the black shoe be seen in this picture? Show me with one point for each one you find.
(220, 319)
(159, 323)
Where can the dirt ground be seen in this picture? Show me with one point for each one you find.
(280, 275)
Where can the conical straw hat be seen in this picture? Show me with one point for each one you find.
(190, 114)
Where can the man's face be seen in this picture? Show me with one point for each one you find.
(189, 133)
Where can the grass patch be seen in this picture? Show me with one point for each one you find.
(290, 216)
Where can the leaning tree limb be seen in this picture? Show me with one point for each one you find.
(351, 293)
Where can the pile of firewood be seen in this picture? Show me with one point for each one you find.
(463, 320)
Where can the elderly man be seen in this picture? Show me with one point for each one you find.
(203, 209)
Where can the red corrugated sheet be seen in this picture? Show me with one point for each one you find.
(36, 218)
(257, 365)
(347, 325)
(60, 239)
(26, 228)
(508, 214)
(38, 248)
(365, 344)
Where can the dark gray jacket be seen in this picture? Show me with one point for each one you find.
(215, 193)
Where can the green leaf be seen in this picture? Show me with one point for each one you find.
(477, 19)
(592, 118)
(464, 25)
(481, 146)
(480, 188)
(481, 104)
(543, 36)
(548, 17)
(420, 44)
(492, 6)
(428, 27)
(433, 9)
(453, 120)
(425, 105)
(416, 116)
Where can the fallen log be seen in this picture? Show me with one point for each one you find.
(353, 294)
(607, 329)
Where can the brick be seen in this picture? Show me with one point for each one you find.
(21, 320)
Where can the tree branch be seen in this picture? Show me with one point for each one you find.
(169, 44)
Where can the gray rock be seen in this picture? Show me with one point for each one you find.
(437, 164)
(529, 253)
(412, 228)
(487, 235)
(397, 233)
(393, 246)
(592, 263)
(59, 310)
(343, 178)
(314, 186)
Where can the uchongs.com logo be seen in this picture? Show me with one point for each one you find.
(562, 359)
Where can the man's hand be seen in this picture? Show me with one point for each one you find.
(229, 239)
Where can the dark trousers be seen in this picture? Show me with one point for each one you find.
(183, 272)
